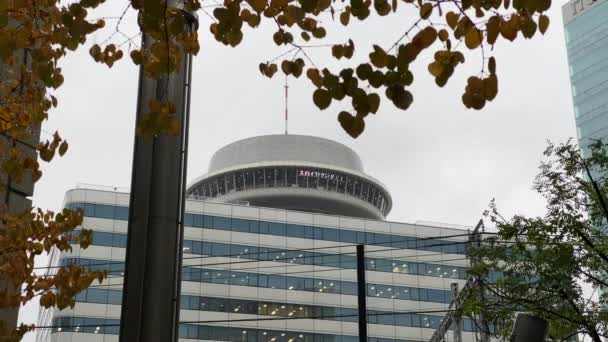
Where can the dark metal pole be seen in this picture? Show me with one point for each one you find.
(150, 309)
(361, 293)
(597, 191)
(475, 239)
(457, 322)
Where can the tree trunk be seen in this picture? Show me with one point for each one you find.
(594, 335)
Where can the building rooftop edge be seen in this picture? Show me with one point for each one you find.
(264, 147)
(421, 223)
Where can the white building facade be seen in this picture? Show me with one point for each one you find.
(262, 274)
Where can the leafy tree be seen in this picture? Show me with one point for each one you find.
(37, 35)
(543, 262)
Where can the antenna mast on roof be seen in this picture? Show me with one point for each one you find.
(286, 105)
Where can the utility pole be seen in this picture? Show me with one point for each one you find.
(452, 318)
(457, 324)
(150, 306)
(479, 282)
(361, 293)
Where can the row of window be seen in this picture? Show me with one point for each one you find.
(212, 333)
(587, 61)
(347, 261)
(286, 177)
(585, 80)
(274, 281)
(595, 41)
(289, 230)
(583, 24)
(267, 308)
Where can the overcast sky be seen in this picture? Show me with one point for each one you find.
(440, 161)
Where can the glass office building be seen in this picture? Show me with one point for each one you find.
(270, 274)
(586, 27)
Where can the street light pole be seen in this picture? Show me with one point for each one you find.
(150, 307)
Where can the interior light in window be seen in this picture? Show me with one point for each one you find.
(290, 288)
(264, 333)
(301, 336)
(244, 331)
(282, 306)
(282, 334)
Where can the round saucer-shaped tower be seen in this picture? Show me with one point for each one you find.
(294, 172)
